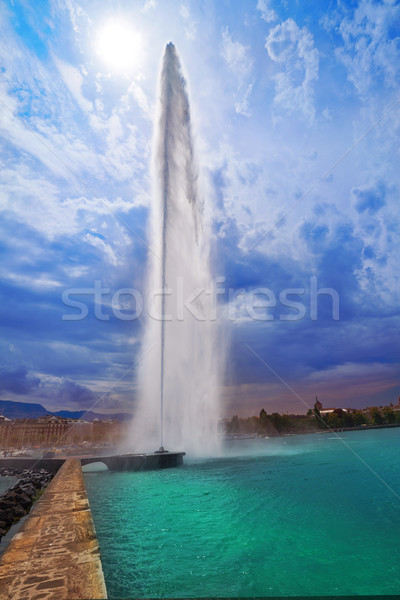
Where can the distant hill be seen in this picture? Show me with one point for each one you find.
(26, 410)
(22, 410)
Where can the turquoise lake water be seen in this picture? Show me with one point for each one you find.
(298, 515)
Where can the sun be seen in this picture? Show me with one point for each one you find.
(119, 45)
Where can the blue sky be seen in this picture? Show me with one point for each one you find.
(297, 129)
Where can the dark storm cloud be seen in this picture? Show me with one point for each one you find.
(63, 392)
(17, 380)
(68, 392)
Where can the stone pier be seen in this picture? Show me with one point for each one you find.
(118, 462)
(55, 555)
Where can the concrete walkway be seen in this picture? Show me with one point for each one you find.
(55, 555)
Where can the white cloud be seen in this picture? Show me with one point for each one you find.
(80, 20)
(190, 26)
(242, 105)
(352, 371)
(293, 49)
(267, 13)
(26, 139)
(43, 281)
(236, 55)
(239, 61)
(184, 11)
(191, 31)
(76, 14)
(371, 51)
(141, 99)
(102, 245)
(32, 199)
(149, 5)
(327, 114)
(35, 200)
(76, 272)
(73, 79)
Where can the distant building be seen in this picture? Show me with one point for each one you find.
(58, 431)
(106, 431)
(327, 411)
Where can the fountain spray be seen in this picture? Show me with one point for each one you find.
(179, 379)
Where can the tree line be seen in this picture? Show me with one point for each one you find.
(276, 423)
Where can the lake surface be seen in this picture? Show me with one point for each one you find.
(6, 482)
(298, 515)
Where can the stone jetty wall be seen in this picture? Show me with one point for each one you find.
(16, 502)
(55, 555)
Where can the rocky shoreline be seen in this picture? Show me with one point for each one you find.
(17, 501)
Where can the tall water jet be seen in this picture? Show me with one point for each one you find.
(179, 373)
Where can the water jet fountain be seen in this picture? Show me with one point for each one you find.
(179, 374)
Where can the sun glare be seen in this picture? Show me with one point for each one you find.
(119, 46)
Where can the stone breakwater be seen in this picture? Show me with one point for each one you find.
(17, 501)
